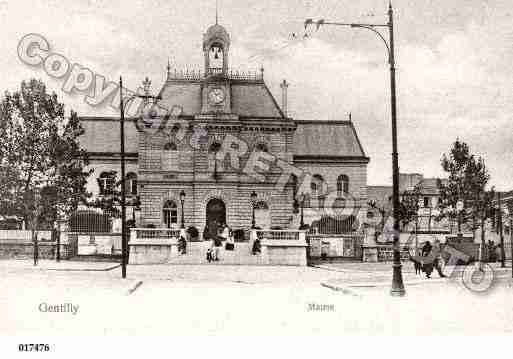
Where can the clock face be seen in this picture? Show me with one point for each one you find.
(216, 95)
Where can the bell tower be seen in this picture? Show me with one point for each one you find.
(216, 45)
(216, 86)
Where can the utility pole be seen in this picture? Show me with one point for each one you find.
(509, 206)
(503, 253)
(124, 242)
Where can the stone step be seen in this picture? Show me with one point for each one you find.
(197, 254)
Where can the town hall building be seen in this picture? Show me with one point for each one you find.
(229, 150)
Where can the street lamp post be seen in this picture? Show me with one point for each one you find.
(124, 238)
(302, 202)
(253, 203)
(397, 279)
(182, 200)
(499, 214)
(124, 241)
(459, 208)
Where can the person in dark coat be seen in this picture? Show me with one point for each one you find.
(182, 242)
(426, 249)
(257, 246)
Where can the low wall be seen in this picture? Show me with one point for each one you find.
(285, 255)
(25, 250)
(23, 235)
(382, 253)
(152, 251)
(95, 243)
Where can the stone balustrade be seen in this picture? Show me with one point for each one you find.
(282, 247)
(154, 234)
(152, 245)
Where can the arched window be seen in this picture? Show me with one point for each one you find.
(216, 57)
(262, 147)
(213, 164)
(316, 185)
(214, 147)
(106, 183)
(342, 185)
(317, 189)
(170, 146)
(170, 213)
(170, 157)
(131, 184)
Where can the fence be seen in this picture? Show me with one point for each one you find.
(329, 225)
(347, 246)
(90, 221)
(276, 235)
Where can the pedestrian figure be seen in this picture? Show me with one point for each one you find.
(230, 243)
(216, 245)
(182, 242)
(210, 256)
(257, 246)
(437, 262)
(426, 249)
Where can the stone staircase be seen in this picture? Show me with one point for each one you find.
(197, 254)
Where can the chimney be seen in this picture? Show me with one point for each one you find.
(284, 85)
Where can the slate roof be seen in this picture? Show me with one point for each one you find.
(186, 94)
(102, 135)
(327, 138)
(254, 100)
(248, 98)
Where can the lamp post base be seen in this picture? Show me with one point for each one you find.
(397, 289)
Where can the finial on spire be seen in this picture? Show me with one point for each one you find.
(168, 68)
(349, 116)
(146, 86)
(216, 13)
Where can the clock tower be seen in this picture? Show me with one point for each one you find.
(216, 86)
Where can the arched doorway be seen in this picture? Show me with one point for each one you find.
(215, 216)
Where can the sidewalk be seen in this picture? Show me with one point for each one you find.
(52, 265)
(377, 275)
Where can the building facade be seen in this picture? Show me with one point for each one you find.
(228, 148)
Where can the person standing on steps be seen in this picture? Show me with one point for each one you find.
(182, 242)
(216, 246)
(230, 243)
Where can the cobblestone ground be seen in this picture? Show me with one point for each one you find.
(217, 299)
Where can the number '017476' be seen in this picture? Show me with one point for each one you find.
(33, 347)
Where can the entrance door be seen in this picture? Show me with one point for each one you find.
(216, 215)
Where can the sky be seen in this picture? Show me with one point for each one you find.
(453, 60)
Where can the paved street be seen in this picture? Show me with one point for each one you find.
(217, 299)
